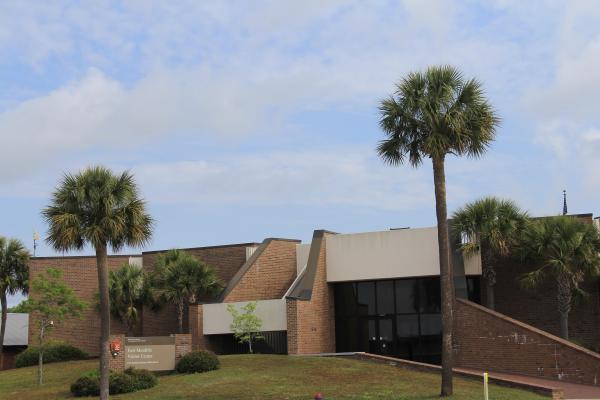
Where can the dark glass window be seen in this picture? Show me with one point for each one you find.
(406, 296)
(345, 299)
(474, 289)
(407, 326)
(429, 295)
(431, 324)
(397, 317)
(366, 298)
(385, 297)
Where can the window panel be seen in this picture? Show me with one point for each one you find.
(431, 324)
(407, 326)
(345, 299)
(366, 298)
(406, 296)
(385, 297)
(429, 295)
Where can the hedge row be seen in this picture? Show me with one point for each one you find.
(53, 352)
(130, 380)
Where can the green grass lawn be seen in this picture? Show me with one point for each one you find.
(264, 377)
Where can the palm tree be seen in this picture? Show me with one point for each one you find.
(565, 249)
(430, 115)
(104, 210)
(126, 294)
(13, 276)
(489, 226)
(179, 278)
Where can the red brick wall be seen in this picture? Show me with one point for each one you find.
(270, 275)
(199, 341)
(226, 260)
(117, 363)
(80, 273)
(311, 323)
(7, 358)
(538, 307)
(487, 340)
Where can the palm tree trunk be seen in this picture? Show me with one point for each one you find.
(446, 276)
(564, 304)
(4, 302)
(180, 316)
(101, 260)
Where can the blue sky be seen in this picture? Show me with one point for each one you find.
(252, 119)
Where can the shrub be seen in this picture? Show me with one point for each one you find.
(131, 380)
(197, 361)
(121, 383)
(53, 352)
(86, 386)
(143, 378)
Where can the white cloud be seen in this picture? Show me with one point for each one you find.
(352, 177)
(140, 72)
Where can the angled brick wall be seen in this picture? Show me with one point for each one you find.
(487, 340)
(311, 323)
(268, 275)
(538, 307)
(80, 273)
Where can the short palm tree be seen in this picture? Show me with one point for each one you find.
(566, 249)
(126, 293)
(13, 276)
(179, 278)
(104, 210)
(489, 226)
(433, 114)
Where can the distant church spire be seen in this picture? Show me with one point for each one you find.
(564, 202)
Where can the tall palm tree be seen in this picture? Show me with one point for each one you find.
(489, 226)
(13, 276)
(179, 278)
(566, 249)
(126, 294)
(102, 209)
(430, 115)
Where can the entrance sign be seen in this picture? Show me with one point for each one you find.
(154, 353)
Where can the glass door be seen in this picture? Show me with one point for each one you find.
(380, 332)
(386, 336)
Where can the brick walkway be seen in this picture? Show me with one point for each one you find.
(572, 391)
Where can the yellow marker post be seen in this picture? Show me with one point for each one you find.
(485, 386)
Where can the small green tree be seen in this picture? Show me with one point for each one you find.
(491, 227)
(246, 325)
(126, 293)
(179, 278)
(565, 249)
(52, 302)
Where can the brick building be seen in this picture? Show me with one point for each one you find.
(375, 292)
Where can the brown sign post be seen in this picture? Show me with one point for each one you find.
(154, 353)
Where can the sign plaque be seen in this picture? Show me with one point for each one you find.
(154, 353)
